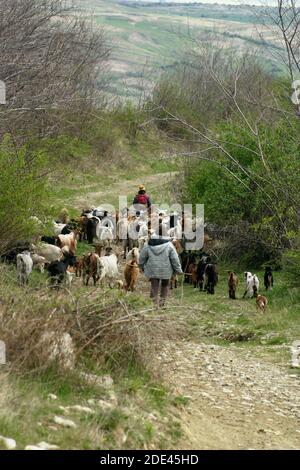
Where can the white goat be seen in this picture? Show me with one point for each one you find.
(252, 285)
(24, 267)
(104, 234)
(49, 252)
(58, 228)
(38, 262)
(176, 232)
(69, 278)
(107, 268)
(142, 242)
(133, 254)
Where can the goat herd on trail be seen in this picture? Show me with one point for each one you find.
(113, 238)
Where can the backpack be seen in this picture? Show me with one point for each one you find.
(142, 199)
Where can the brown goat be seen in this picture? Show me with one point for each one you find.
(261, 303)
(178, 246)
(192, 272)
(233, 282)
(69, 241)
(174, 282)
(131, 272)
(82, 224)
(174, 279)
(79, 266)
(90, 268)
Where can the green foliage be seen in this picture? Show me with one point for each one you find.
(23, 192)
(66, 149)
(291, 263)
(242, 145)
(245, 189)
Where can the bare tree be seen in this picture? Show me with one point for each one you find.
(283, 26)
(218, 87)
(51, 60)
(286, 19)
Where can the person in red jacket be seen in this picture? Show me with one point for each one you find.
(142, 198)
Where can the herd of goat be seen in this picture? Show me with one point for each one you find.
(58, 255)
(203, 275)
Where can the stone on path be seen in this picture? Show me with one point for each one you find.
(51, 396)
(58, 347)
(42, 446)
(295, 350)
(32, 447)
(46, 446)
(8, 443)
(82, 409)
(67, 423)
(105, 381)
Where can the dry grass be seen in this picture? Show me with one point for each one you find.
(105, 326)
(112, 334)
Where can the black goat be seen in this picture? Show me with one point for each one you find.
(268, 278)
(49, 240)
(205, 260)
(70, 227)
(211, 278)
(57, 270)
(11, 254)
(91, 229)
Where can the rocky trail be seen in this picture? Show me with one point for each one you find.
(236, 401)
(237, 398)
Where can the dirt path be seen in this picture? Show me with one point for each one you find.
(236, 400)
(158, 181)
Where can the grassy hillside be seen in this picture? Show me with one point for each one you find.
(206, 371)
(174, 372)
(223, 345)
(148, 38)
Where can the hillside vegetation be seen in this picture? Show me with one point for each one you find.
(151, 38)
(206, 372)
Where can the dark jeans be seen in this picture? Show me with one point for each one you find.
(163, 284)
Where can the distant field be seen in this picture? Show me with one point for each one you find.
(148, 38)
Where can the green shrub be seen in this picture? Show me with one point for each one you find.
(291, 263)
(23, 193)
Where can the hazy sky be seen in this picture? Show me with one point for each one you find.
(225, 2)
